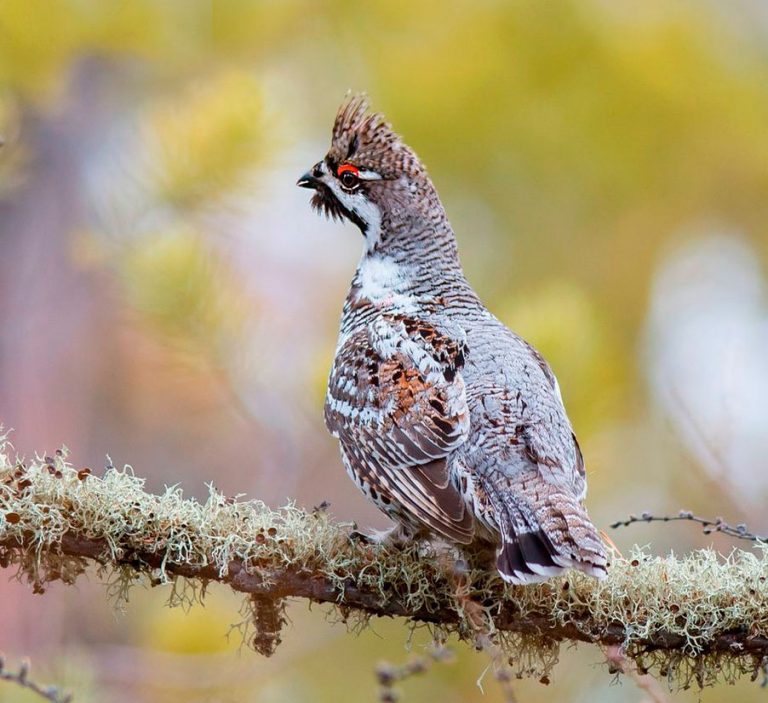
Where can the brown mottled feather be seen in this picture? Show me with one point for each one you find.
(399, 408)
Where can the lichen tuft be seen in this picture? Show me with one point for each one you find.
(670, 614)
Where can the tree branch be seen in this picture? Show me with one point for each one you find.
(693, 618)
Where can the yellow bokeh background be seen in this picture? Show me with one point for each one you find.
(167, 297)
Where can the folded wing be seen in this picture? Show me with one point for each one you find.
(396, 401)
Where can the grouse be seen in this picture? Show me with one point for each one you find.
(448, 421)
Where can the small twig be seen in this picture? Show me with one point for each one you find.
(739, 531)
(388, 674)
(21, 677)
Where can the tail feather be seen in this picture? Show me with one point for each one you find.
(589, 554)
(527, 557)
(537, 546)
(512, 564)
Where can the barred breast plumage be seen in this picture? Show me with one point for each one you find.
(452, 424)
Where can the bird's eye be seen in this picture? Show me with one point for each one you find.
(348, 179)
(347, 174)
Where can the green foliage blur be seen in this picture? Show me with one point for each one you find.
(573, 143)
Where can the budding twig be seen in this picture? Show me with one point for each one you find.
(21, 677)
(739, 531)
(388, 675)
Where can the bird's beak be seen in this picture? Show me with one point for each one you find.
(308, 181)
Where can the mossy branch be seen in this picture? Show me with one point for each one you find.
(701, 618)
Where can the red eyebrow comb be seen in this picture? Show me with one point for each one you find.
(347, 167)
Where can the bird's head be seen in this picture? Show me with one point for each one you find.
(369, 176)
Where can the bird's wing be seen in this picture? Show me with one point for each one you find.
(396, 401)
(543, 430)
(537, 500)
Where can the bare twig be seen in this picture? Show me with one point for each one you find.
(717, 524)
(21, 678)
(388, 675)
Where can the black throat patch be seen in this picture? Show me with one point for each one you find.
(326, 203)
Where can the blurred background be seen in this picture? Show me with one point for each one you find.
(168, 298)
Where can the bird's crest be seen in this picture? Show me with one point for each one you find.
(366, 139)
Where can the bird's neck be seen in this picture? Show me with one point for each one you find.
(416, 236)
(415, 259)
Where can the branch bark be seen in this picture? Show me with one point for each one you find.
(703, 613)
(297, 582)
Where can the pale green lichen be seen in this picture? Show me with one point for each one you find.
(696, 597)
